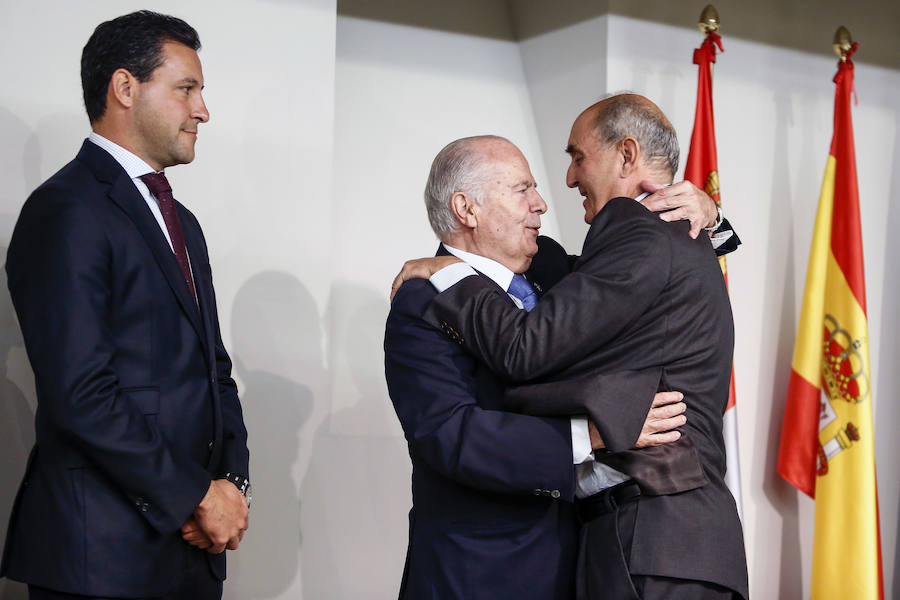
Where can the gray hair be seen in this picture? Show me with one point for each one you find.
(458, 167)
(624, 115)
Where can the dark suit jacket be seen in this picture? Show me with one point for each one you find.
(137, 410)
(485, 521)
(646, 299)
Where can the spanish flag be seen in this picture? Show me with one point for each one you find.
(703, 171)
(827, 448)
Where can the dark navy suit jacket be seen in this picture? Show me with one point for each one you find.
(137, 410)
(492, 491)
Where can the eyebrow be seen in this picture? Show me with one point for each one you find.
(570, 149)
(190, 80)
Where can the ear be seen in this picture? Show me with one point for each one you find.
(465, 209)
(123, 89)
(629, 153)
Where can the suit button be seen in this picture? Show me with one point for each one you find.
(210, 446)
(554, 494)
(537, 492)
(145, 507)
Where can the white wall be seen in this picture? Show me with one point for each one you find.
(566, 72)
(326, 127)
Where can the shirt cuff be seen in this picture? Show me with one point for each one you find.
(581, 441)
(451, 275)
(718, 239)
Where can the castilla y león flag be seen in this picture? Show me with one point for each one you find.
(702, 170)
(827, 446)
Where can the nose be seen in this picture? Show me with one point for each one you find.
(571, 180)
(200, 112)
(537, 203)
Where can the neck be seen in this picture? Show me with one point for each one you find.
(634, 188)
(119, 135)
(469, 244)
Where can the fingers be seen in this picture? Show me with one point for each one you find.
(650, 186)
(216, 549)
(189, 527)
(395, 285)
(409, 271)
(658, 439)
(666, 423)
(663, 398)
(665, 197)
(201, 542)
(664, 412)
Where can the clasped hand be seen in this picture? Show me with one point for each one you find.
(221, 519)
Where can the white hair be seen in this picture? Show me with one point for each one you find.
(458, 167)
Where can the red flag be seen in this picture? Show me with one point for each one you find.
(702, 170)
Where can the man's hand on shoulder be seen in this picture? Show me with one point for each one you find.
(421, 268)
(222, 515)
(680, 201)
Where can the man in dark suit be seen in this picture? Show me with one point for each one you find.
(644, 299)
(492, 491)
(138, 479)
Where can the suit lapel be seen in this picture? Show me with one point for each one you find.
(197, 254)
(127, 197)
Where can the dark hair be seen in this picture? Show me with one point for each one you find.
(132, 42)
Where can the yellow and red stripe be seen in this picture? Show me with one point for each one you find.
(827, 441)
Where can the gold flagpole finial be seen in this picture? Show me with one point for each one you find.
(709, 19)
(842, 42)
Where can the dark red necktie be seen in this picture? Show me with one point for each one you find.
(159, 187)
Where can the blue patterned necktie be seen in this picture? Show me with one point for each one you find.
(521, 289)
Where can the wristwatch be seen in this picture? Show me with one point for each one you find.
(242, 484)
(719, 218)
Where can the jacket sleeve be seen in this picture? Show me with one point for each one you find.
(59, 267)
(624, 266)
(432, 385)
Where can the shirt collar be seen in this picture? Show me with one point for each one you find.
(134, 165)
(500, 275)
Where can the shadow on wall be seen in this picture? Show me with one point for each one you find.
(16, 425)
(20, 161)
(780, 494)
(277, 340)
(359, 468)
